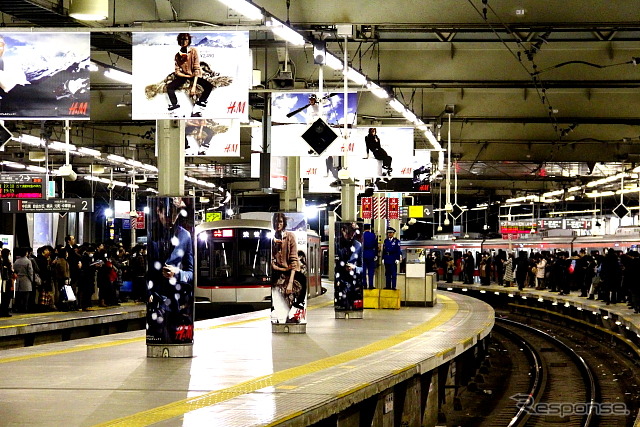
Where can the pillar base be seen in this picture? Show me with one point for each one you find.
(289, 328)
(169, 350)
(349, 314)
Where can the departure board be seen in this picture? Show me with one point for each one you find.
(22, 186)
(46, 206)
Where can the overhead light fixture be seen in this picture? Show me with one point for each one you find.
(89, 10)
(332, 61)
(118, 75)
(377, 90)
(285, 32)
(245, 8)
(356, 77)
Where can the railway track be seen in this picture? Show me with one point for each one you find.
(532, 378)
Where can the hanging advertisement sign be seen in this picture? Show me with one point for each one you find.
(289, 268)
(170, 300)
(367, 208)
(44, 75)
(307, 107)
(207, 137)
(196, 74)
(348, 276)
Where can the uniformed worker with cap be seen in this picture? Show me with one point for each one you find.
(391, 257)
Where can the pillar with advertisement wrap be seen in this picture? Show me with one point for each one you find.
(170, 271)
(348, 270)
(288, 273)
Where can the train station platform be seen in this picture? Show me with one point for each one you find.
(614, 318)
(23, 330)
(392, 366)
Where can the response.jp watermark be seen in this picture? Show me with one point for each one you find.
(563, 409)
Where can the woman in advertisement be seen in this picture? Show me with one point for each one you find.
(289, 284)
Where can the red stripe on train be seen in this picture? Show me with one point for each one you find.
(235, 287)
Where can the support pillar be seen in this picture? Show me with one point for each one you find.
(291, 199)
(171, 166)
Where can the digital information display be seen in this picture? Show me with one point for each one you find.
(44, 206)
(21, 186)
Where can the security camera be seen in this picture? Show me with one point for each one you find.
(111, 186)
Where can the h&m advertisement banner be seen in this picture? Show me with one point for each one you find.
(44, 75)
(289, 268)
(196, 74)
(348, 272)
(170, 284)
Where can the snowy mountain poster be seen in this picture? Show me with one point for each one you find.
(194, 74)
(44, 75)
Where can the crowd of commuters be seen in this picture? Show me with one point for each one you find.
(611, 276)
(39, 283)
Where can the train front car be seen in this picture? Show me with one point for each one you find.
(233, 263)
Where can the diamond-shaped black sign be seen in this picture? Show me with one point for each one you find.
(457, 211)
(621, 211)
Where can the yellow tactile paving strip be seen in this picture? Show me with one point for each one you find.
(181, 407)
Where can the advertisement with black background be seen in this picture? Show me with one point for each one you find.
(170, 300)
(348, 277)
(44, 75)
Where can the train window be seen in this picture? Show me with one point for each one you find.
(221, 259)
(254, 250)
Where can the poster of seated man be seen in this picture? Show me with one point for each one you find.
(348, 270)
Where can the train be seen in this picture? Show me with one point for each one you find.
(233, 263)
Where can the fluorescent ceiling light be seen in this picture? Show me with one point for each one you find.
(356, 77)
(285, 32)
(332, 61)
(89, 10)
(396, 105)
(432, 139)
(377, 90)
(89, 151)
(118, 75)
(247, 9)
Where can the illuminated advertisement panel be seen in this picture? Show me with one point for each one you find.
(289, 268)
(195, 74)
(44, 75)
(170, 300)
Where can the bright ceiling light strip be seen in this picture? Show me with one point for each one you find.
(575, 212)
(89, 152)
(247, 9)
(118, 75)
(284, 32)
(333, 62)
(377, 90)
(356, 77)
(603, 194)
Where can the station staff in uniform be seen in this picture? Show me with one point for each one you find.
(391, 257)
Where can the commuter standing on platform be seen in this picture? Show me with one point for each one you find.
(370, 255)
(391, 256)
(24, 270)
(469, 268)
(6, 282)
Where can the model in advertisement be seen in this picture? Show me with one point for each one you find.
(372, 142)
(188, 76)
(170, 271)
(289, 283)
(348, 267)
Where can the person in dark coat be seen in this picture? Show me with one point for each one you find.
(391, 257)
(522, 269)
